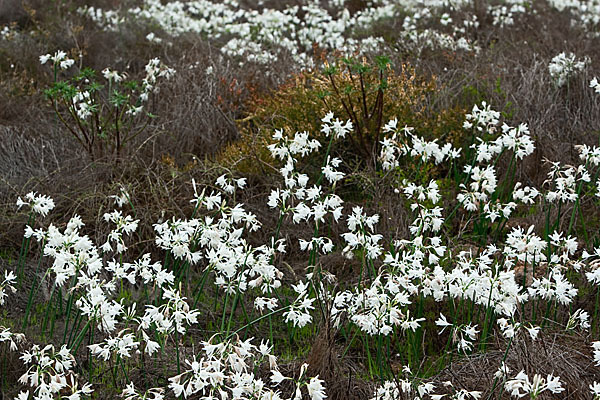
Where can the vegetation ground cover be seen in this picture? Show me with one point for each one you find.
(299, 199)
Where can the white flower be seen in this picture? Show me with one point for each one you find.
(595, 390)
(59, 59)
(261, 302)
(521, 386)
(131, 393)
(277, 377)
(594, 84)
(564, 66)
(503, 371)
(483, 118)
(335, 127)
(442, 322)
(40, 204)
(111, 75)
(329, 170)
(316, 391)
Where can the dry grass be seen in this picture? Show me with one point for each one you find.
(557, 353)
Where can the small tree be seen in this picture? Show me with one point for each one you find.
(103, 116)
(360, 88)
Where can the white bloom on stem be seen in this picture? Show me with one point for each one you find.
(564, 66)
(39, 204)
(594, 84)
(521, 385)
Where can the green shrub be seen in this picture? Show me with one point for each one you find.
(369, 93)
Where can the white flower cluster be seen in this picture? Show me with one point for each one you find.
(418, 33)
(304, 202)
(6, 32)
(131, 393)
(594, 84)
(376, 310)
(122, 344)
(414, 388)
(521, 385)
(59, 60)
(124, 225)
(564, 66)
(596, 350)
(174, 314)
(229, 184)
(7, 284)
(13, 339)
(504, 15)
(582, 13)
(483, 184)
(263, 35)
(50, 373)
(40, 204)
(6, 336)
(122, 198)
(398, 274)
(564, 181)
(155, 70)
(85, 104)
(593, 276)
(113, 76)
(485, 120)
(483, 117)
(580, 319)
(463, 336)
(511, 328)
(226, 370)
(403, 142)
(362, 234)
(299, 311)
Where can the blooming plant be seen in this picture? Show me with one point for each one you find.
(521, 386)
(50, 374)
(464, 269)
(418, 231)
(564, 66)
(102, 114)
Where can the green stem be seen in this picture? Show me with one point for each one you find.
(75, 327)
(24, 249)
(79, 338)
(33, 291)
(225, 309)
(200, 287)
(49, 307)
(595, 319)
(256, 320)
(177, 349)
(575, 208)
(496, 379)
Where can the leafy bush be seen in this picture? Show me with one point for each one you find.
(103, 118)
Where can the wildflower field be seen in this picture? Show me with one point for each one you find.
(299, 199)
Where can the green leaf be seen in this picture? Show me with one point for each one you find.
(382, 62)
(94, 87)
(323, 94)
(330, 70)
(85, 73)
(117, 98)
